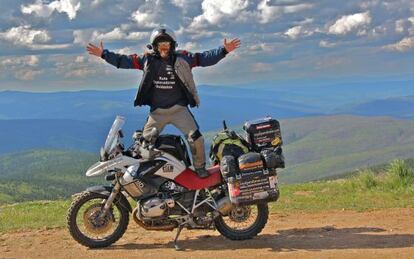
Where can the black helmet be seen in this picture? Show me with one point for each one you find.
(162, 33)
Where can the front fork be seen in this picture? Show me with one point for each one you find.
(110, 200)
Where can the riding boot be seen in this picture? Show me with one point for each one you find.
(198, 153)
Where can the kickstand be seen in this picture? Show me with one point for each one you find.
(180, 227)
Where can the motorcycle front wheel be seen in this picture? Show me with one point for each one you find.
(89, 227)
(243, 222)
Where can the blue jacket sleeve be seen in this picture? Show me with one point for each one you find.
(123, 61)
(206, 58)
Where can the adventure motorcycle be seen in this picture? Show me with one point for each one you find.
(158, 176)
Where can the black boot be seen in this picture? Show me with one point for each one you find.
(202, 172)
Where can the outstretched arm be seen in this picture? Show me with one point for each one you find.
(118, 60)
(211, 57)
(229, 46)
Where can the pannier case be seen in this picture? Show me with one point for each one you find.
(252, 183)
(263, 133)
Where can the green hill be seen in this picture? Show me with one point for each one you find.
(44, 174)
(319, 147)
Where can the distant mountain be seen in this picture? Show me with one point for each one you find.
(44, 174)
(325, 146)
(17, 135)
(218, 103)
(326, 96)
(398, 107)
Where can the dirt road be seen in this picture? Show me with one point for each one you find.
(335, 234)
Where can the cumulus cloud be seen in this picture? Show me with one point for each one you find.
(27, 74)
(70, 7)
(76, 66)
(30, 60)
(145, 19)
(326, 44)
(30, 38)
(21, 67)
(215, 12)
(24, 35)
(185, 4)
(268, 13)
(298, 31)
(83, 37)
(402, 46)
(350, 23)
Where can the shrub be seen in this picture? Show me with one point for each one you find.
(399, 174)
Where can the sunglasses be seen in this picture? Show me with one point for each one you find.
(164, 44)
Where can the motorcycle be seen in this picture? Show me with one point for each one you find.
(169, 195)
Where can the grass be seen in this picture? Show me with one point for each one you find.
(33, 215)
(389, 187)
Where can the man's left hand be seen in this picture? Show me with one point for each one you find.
(231, 45)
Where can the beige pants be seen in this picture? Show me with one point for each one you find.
(180, 117)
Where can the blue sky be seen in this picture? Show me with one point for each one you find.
(42, 43)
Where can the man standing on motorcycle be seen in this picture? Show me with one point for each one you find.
(167, 85)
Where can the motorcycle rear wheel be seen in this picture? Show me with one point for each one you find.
(243, 222)
(88, 229)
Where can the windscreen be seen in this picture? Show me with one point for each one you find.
(112, 138)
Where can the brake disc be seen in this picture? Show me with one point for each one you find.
(92, 221)
(240, 214)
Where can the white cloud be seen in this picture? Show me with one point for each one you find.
(96, 2)
(80, 59)
(326, 44)
(145, 19)
(215, 12)
(405, 25)
(402, 46)
(70, 7)
(369, 4)
(268, 13)
(190, 46)
(298, 31)
(27, 74)
(350, 23)
(25, 36)
(83, 37)
(185, 4)
(35, 39)
(21, 67)
(30, 60)
(77, 66)
(125, 51)
(400, 26)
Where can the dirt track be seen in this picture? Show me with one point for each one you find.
(337, 234)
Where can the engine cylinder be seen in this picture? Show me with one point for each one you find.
(153, 207)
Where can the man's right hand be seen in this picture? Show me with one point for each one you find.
(95, 50)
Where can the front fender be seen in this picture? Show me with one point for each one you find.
(106, 190)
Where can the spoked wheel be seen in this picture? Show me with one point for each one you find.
(243, 222)
(89, 227)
